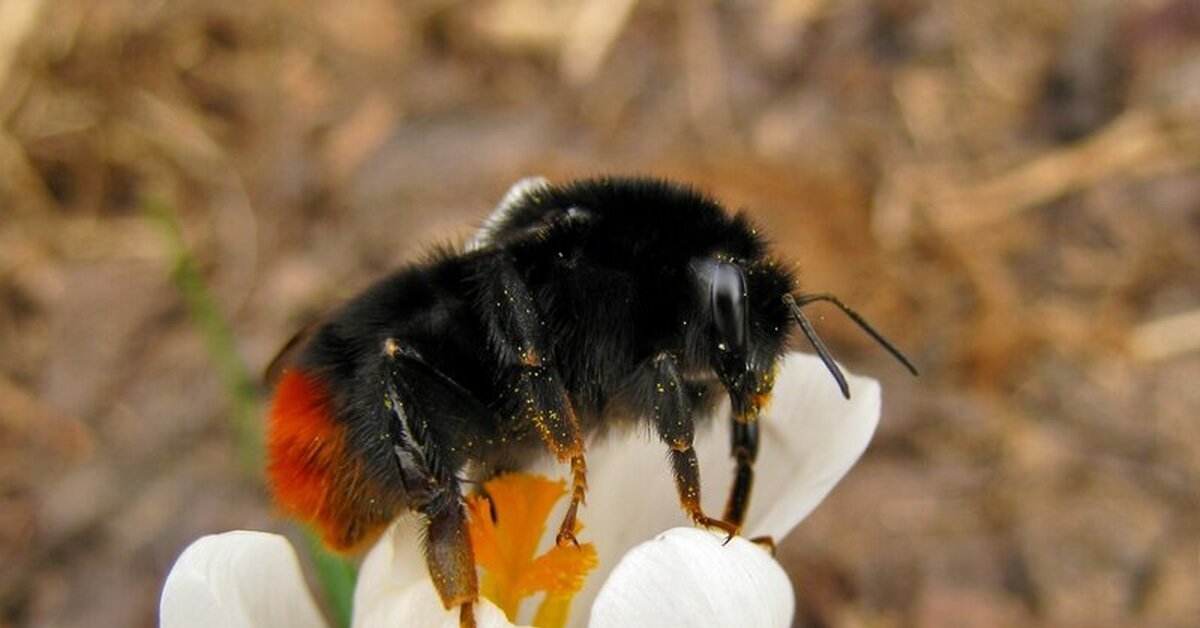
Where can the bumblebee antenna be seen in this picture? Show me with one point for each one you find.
(822, 351)
(862, 322)
(815, 340)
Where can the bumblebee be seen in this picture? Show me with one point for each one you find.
(576, 310)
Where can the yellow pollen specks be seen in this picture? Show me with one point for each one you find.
(505, 547)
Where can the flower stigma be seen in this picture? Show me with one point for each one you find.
(505, 546)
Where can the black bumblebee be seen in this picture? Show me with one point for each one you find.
(577, 308)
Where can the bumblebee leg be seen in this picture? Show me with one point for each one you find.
(745, 452)
(515, 329)
(448, 554)
(666, 395)
(748, 384)
(429, 480)
(767, 542)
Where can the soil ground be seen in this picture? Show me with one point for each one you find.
(1010, 189)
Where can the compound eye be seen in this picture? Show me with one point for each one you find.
(730, 319)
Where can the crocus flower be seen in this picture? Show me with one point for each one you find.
(650, 570)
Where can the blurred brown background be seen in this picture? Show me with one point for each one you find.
(1008, 188)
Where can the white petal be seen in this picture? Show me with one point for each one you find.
(687, 578)
(392, 566)
(394, 588)
(810, 436)
(631, 498)
(237, 579)
(419, 605)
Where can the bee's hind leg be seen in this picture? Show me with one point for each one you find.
(449, 556)
(429, 480)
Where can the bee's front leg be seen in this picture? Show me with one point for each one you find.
(745, 451)
(747, 381)
(665, 397)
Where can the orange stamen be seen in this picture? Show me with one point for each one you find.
(505, 547)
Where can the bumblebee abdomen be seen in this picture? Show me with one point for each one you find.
(311, 471)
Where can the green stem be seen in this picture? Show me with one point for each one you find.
(336, 575)
(217, 335)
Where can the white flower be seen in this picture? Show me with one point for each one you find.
(810, 438)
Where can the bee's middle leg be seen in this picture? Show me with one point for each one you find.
(545, 404)
(516, 331)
